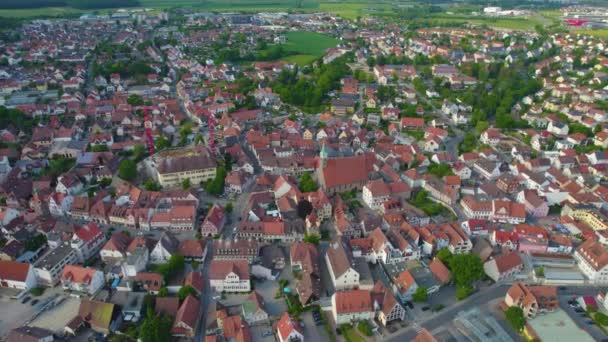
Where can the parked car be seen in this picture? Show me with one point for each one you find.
(267, 333)
(425, 308)
(34, 302)
(26, 299)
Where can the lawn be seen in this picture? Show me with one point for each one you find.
(40, 12)
(308, 46)
(505, 23)
(598, 33)
(351, 335)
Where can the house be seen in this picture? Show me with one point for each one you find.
(491, 136)
(253, 309)
(69, 184)
(236, 329)
(187, 318)
(592, 259)
(135, 262)
(440, 271)
(87, 241)
(386, 305)
(341, 269)
(229, 276)
(352, 306)
(82, 280)
(534, 204)
(532, 299)
(193, 250)
(99, 316)
(17, 275)
(116, 248)
(288, 329)
(375, 193)
(149, 281)
(304, 259)
(503, 266)
(30, 334)
(214, 221)
(166, 246)
(404, 285)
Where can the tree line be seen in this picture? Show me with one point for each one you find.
(80, 4)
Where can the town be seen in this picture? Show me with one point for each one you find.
(284, 176)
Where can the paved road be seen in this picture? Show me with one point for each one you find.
(580, 319)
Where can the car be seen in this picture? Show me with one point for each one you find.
(34, 302)
(409, 305)
(425, 308)
(561, 288)
(267, 333)
(25, 300)
(579, 310)
(590, 322)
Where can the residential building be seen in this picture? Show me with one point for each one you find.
(87, 241)
(341, 269)
(229, 276)
(253, 309)
(288, 329)
(532, 299)
(504, 266)
(187, 318)
(17, 275)
(351, 306)
(592, 259)
(50, 266)
(82, 280)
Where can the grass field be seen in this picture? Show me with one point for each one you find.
(39, 12)
(505, 23)
(308, 46)
(598, 33)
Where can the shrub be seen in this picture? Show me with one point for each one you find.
(365, 328)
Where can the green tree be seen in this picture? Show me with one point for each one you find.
(440, 170)
(135, 100)
(162, 143)
(172, 267)
(466, 269)
(515, 317)
(421, 294)
(312, 238)
(127, 170)
(36, 242)
(185, 291)
(155, 328)
(445, 256)
(163, 292)
(540, 272)
(601, 318)
(365, 328)
(229, 207)
(151, 185)
(186, 184)
(463, 292)
(307, 183)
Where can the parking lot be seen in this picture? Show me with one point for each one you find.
(13, 314)
(57, 317)
(581, 318)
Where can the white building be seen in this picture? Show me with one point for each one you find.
(50, 266)
(592, 260)
(87, 241)
(17, 275)
(341, 271)
(80, 279)
(352, 306)
(229, 276)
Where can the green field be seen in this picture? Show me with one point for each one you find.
(598, 33)
(504, 23)
(308, 46)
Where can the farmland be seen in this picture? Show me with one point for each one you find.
(308, 44)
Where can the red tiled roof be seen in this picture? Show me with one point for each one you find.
(286, 325)
(219, 269)
(12, 270)
(77, 274)
(353, 301)
(187, 314)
